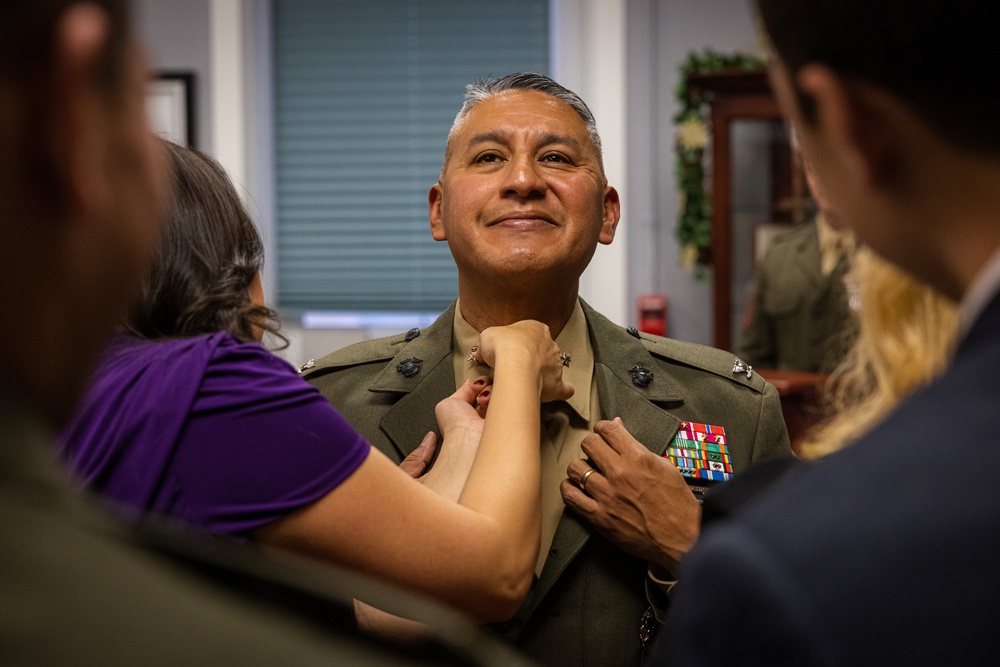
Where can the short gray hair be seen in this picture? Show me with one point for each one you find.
(486, 88)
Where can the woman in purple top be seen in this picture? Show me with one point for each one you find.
(188, 416)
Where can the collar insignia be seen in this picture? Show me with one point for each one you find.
(740, 366)
(409, 367)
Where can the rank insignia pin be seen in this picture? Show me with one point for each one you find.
(739, 366)
(565, 358)
(306, 366)
(409, 367)
(641, 376)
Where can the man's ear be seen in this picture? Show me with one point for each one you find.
(856, 119)
(434, 201)
(612, 214)
(75, 128)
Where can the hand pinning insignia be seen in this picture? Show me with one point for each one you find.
(565, 358)
(409, 367)
(641, 376)
(739, 366)
(306, 366)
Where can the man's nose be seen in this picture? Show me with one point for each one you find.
(524, 179)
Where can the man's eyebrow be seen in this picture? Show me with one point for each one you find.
(504, 137)
(491, 137)
(565, 140)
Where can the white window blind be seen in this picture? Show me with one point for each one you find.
(365, 93)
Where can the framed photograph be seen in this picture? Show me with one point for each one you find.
(170, 107)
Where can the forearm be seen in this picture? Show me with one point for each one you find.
(504, 483)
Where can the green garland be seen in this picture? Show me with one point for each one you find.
(694, 224)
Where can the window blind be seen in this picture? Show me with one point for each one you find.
(365, 93)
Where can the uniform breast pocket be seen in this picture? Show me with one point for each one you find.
(783, 300)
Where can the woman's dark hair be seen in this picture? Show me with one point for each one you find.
(209, 254)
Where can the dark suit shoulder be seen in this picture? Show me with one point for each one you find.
(704, 358)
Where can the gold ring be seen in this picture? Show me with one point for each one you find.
(583, 480)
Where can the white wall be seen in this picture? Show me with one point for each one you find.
(177, 38)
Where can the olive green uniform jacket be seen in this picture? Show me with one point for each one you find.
(585, 607)
(802, 320)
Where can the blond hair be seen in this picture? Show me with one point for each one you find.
(907, 335)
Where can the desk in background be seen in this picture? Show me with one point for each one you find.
(799, 394)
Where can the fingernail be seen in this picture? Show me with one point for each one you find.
(479, 383)
(473, 348)
(485, 393)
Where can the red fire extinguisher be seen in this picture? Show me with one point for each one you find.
(653, 314)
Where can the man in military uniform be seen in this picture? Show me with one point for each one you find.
(523, 201)
(801, 318)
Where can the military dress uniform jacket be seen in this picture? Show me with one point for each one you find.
(801, 319)
(585, 607)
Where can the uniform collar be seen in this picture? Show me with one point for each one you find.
(574, 340)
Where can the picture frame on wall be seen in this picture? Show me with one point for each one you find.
(170, 107)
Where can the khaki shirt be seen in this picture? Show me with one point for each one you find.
(564, 423)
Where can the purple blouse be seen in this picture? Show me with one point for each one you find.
(218, 433)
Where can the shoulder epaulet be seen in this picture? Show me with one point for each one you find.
(709, 359)
(366, 352)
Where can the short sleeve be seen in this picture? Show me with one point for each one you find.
(260, 444)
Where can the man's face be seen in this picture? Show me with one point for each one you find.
(837, 176)
(522, 193)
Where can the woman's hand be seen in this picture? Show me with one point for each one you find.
(526, 346)
(460, 418)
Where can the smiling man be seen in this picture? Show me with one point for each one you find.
(523, 201)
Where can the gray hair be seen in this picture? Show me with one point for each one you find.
(486, 88)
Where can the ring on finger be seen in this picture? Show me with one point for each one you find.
(583, 480)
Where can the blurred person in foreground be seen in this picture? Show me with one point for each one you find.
(523, 202)
(82, 187)
(883, 552)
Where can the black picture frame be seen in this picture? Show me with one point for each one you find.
(170, 105)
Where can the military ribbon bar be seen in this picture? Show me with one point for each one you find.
(699, 451)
